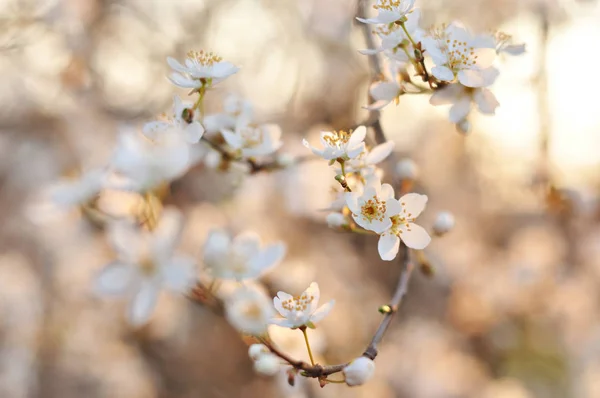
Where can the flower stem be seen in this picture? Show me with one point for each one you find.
(200, 102)
(312, 361)
(408, 35)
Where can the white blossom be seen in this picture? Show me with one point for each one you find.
(390, 11)
(373, 208)
(257, 350)
(393, 38)
(340, 144)
(336, 220)
(181, 122)
(147, 164)
(365, 163)
(249, 310)
(201, 69)
(504, 44)
(145, 264)
(236, 111)
(301, 310)
(267, 365)
(384, 92)
(359, 371)
(403, 227)
(251, 141)
(54, 200)
(458, 54)
(240, 258)
(407, 169)
(444, 222)
(461, 98)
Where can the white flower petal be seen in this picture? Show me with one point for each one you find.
(443, 73)
(166, 234)
(179, 274)
(387, 192)
(216, 246)
(176, 66)
(385, 91)
(393, 207)
(114, 279)
(448, 95)
(380, 152)
(144, 302)
(127, 241)
(322, 312)
(355, 152)
(233, 140)
(183, 82)
(193, 132)
(486, 101)
(413, 204)
(388, 246)
(357, 137)
(269, 257)
(460, 110)
(414, 236)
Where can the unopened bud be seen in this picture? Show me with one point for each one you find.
(407, 169)
(267, 365)
(444, 222)
(257, 350)
(359, 371)
(291, 376)
(335, 220)
(464, 126)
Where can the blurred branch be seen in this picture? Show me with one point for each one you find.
(254, 166)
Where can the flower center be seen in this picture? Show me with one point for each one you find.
(388, 5)
(204, 58)
(460, 54)
(337, 138)
(148, 266)
(402, 219)
(373, 209)
(298, 303)
(251, 136)
(252, 311)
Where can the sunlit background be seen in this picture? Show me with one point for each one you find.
(513, 308)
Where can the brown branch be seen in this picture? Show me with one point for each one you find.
(320, 371)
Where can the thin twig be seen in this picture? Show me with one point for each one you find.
(319, 371)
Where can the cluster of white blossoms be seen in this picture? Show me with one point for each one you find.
(373, 205)
(464, 62)
(145, 161)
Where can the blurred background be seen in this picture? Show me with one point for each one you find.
(513, 307)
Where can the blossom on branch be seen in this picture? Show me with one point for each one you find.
(359, 371)
(252, 141)
(461, 98)
(249, 310)
(300, 310)
(181, 122)
(390, 11)
(240, 258)
(201, 69)
(374, 208)
(458, 54)
(403, 228)
(146, 164)
(145, 264)
(340, 144)
(393, 38)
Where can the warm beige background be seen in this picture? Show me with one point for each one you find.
(513, 311)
